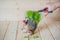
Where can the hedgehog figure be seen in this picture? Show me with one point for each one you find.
(32, 18)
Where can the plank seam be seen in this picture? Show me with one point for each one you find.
(6, 31)
(50, 31)
(40, 35)
(17, 30)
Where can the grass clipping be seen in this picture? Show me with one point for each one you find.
(36, 16)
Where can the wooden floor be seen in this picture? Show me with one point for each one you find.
(15, 9)
(11, 30)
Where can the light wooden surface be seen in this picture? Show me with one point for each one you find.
(14, 10)
(11, 30)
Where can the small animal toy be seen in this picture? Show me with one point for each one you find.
(32, 18)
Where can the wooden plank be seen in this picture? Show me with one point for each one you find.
(58, 24)
(55, 30)
(55, 0)
(11, 32)
(46, 35)
(8, 10)
(31, 4)
(3, 29)
(7, 4)
(21, 35)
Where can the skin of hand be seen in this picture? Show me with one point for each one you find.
(46, 21)
(40, 26)
(51, 6)
(49, 19)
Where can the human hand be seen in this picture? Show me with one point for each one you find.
(50, 6)
(27, 28)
